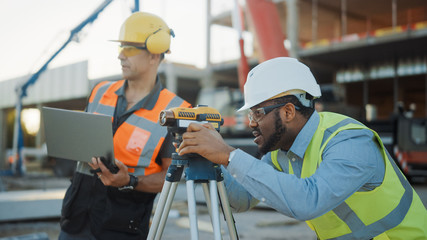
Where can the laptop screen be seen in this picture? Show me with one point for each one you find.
(76, 135)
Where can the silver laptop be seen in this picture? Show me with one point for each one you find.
(77, 136)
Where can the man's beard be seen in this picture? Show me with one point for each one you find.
(274, 138)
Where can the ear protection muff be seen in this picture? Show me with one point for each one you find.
(159, 41)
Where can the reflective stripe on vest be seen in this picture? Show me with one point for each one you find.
(96, 96)
(363, 215)
(138, 140)
(360, 230)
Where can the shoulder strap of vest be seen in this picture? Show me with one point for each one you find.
(274, 159)
(96, 88)
(329, 125)
(103, 95)
(336, 122)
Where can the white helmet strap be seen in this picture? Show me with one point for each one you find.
(305, 99)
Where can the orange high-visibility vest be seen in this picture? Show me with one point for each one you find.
(138, 140)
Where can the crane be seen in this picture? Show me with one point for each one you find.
(266, 22)
(21, 88)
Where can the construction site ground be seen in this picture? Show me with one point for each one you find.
(259, 223)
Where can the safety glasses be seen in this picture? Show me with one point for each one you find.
(259, 113)
(130, 51)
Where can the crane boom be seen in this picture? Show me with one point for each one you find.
(21, 89)
(266, 21)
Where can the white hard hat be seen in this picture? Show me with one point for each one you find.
(276, 76)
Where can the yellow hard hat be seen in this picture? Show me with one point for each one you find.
(147, 29)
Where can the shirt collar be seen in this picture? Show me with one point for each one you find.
(305, 135)
(149, 101)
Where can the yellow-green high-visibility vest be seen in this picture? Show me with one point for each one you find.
(392, 210)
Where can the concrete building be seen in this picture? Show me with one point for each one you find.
(365, 54)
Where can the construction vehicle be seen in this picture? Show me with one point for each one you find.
(410, 146)
(405, 138)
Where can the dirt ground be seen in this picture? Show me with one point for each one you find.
(37, 229)
(253, 225)
(257, 224)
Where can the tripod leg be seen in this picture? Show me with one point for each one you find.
(166, 210)
(165, 200)
(208, 201)
(215, 209)
(163, 207)
(227, 211)
(192, 212)
(159, 210)
(205, 187)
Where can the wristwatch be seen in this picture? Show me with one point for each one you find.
(131, 186)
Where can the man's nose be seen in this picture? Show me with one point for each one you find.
(121, 56)
(253, 123)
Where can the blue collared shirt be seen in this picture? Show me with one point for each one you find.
(352, 162)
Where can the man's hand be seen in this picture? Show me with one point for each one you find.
(205, 141)
(121, 178)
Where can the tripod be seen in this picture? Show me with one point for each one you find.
(199, 170)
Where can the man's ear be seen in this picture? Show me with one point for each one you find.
(289, 112)
(154, 58)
